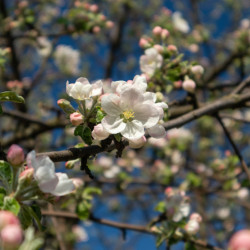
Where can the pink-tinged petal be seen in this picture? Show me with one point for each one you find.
(140, 83)
(149, 96)
(133, 130)
(64, 185)
(96, 88)
(147, 113)
(138, 143)
(83, 81)
(110, 104)
(130, 97)
(157, 131)
(113, 124)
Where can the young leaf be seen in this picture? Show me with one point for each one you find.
(11, 204)
(84, 133)
(11, 96)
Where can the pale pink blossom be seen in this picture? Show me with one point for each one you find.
(157, 30)
(93, 8)
(11, 236)
(172, 48)
(15, 155)
(197, 70)
(151, 61)
(189, 85)
(99, 133)
(96, 29)
(164, 34)
(159, 48)
(240, 240)
(192, 227)
(143, 43)
(48, 181)
(7, 218)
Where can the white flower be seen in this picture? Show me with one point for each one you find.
(67, 59)
(82, 89)
(177, 205)
(112, 172)
(44, 46)
(180, 23)
(130, 112)
(44, 173)
(192, 227)
(151, 61)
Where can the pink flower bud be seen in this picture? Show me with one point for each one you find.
(99, 133)
(189, 85)
(27, 174)
(197, 70)
(109, 24)
(159, 48)
(138, 143)
(169, 191)
(11, 236)
(164, 34)
(192, 227)
(157, 30)
(93, 8)
(177, 84)
(172, 48)
(240, 240)
(7, 218)
(76, 118)
(143, 43)
(196, 216)
(15, 155)
(96, 29)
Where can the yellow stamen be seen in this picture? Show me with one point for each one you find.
(128, 114)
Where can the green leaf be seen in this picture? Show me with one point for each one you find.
(190, 246)
(11, 204)
(84, 133)
(160, 207)
(11, 96)
(5, 173)
(194, 180)
(25, 217)
(99, 116)
(118, 137)
(83, 210)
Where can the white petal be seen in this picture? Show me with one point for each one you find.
(130, 97)
(138, 143)
(149, 96)
(157, 131)
(147, 113)
(64, 185)
(133, 130)
(96, 88)
(113, 124)
(110, 104)
(116, 87)
(140, 83)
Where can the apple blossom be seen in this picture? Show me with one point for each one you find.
(143, 43)
(15, 155)
(159, 48)
(82, 89)
(240, 240)
(76, 118)
(7, 218)
(164, 34)
(99, 133)
(151, 61)
(44, 173)
(177, 205)
(189, 85)
(180, 23)
(11, 236)
(130, 112)
(192, 227)
(67, 59)
(197, 70)
(172, 48)
(157, 30)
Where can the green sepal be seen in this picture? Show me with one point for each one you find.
(11, 96)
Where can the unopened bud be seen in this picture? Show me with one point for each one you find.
(164, 34)
(76, 118)
(143, 43)
(197, 70)
(11, 236)
(138, 143)
(240, 240)
(7, 218)
(157, 30)
(99, 133)
(65, 106)
(189, 85)
(15, 155)
(172, 48)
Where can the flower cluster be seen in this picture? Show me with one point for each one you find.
(120, 108)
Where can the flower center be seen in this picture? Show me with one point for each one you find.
(128, 115)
